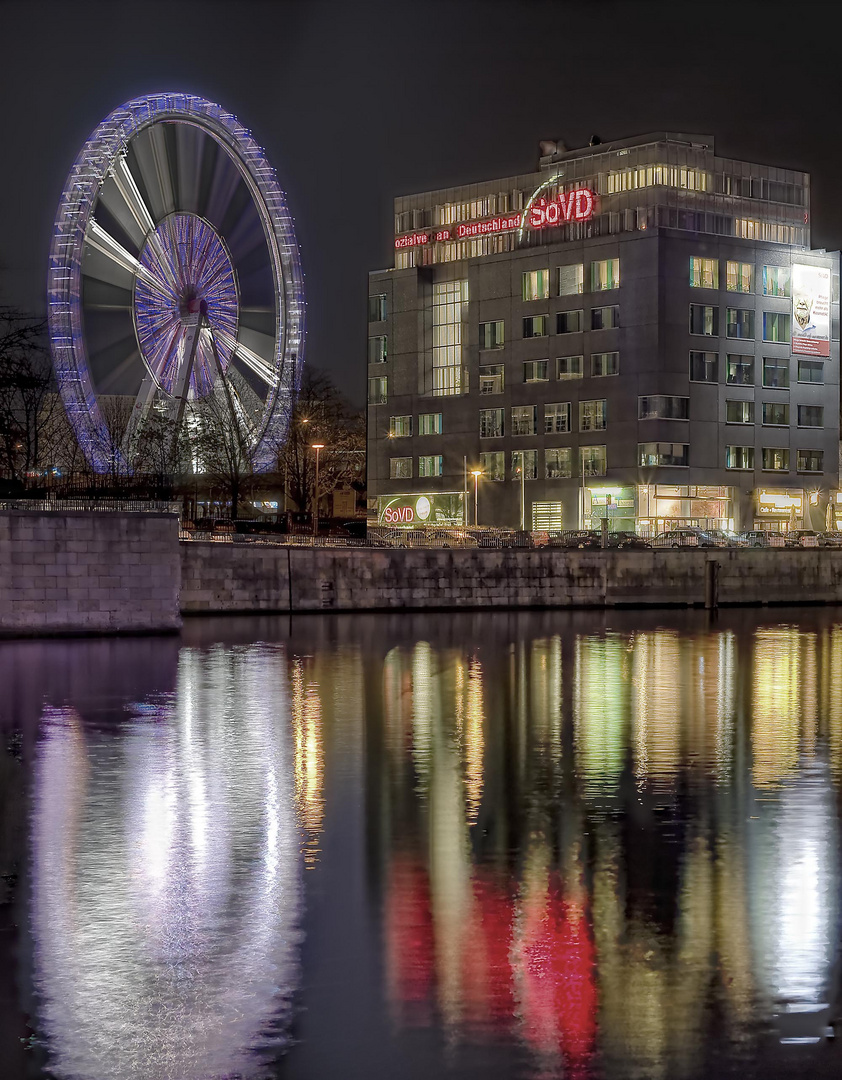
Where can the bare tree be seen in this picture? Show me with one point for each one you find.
(26, 397)
(221, 446)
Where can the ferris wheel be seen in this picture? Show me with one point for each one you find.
(174, 279)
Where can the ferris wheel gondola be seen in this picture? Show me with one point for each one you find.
(175, 277)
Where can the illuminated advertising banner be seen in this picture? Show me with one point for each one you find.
(811, 310)
(414, 510)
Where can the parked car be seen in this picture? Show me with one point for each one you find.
(580, 538)
(726, 538)
(801, 538)
(685, 536)
(756, 538)
(830, 539)
(624, 540)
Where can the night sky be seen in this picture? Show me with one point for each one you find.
(356, 103)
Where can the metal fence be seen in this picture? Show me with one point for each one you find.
(133, 506)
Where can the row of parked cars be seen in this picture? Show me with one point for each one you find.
(690, 537)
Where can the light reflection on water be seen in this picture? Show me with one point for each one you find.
(583, 851)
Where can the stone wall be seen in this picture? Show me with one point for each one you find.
(222, 577)
(80, 572)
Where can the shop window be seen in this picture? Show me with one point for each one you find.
(605, 274)
(739, 323)
(776, 327)
(400, 468)
(811, 416)
(739, 412)
(429, 423)
(568, 322)
(605, 318)
(704, 320)
(775, 459)
(775, 373)
(777, 281)
(524, 419)
(493, 465)
(703, 367)
(557, 418)
(571, 279)
(491, 423)
(704, 273)
(606, 363)
(400, 427)
(775, 414)
(738, 277)
(536, 285)
(536, 371)
(570, 367)
(491, 379)
(492, 335)
(739, 457)
(558, 463)
(593, 415)
(593, 461)
(739, 370)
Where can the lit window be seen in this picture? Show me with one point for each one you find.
(739, 323)
(738, 277)
(704, 273)
(571, 279)
(377, 349)
(605, 275)
(776, 326)
(377, 391)
(558, 463)
(593, 461)
(663, 454)
(535, 326)
(776, 414)
(492, 335)
(400, 427)
(493, 465)
(570, 367)
(593, 415)
(524, 419)
(429, 423)
(775, 373)
(739, 370)
(739, 457)
(776, 281)
(739, 412)
(536, 285)
(811, 371)
(703, 367)
(491, 423)
(535, 370)
(491, 379)
(663, 407)
(557, 418)
(430, 465)
(605, 363)
(400, 468)
(526, 460)
(775, 459)
(568, 322)
(704, 320)
(450, 301)
(605, 318)
(810, 460)
(377, 308)
(811, 416)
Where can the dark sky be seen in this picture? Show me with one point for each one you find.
(356, 103)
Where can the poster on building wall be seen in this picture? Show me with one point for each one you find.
(431, 508)
(811, 310)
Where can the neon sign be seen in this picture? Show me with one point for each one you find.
(576, 205)
(493, 225)
(413, 240)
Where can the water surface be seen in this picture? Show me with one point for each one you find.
(516, 845)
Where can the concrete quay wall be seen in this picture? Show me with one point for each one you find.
(79, 572)
(221, 577)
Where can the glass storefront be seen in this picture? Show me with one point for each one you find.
(666, 506)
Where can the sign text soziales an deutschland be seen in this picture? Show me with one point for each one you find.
(810, 310)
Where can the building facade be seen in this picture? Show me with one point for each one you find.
(638, 331)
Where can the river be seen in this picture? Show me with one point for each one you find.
(588, 845)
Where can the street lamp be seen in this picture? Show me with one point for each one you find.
(476, 473)
(317, 446)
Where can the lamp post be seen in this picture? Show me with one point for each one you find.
(476, 475)
(317, 446)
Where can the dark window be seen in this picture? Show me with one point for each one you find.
(811, 371)
(703, 367)
(739, 370)
(377, 308)
(568, 322)
(704, 320)
(775, 373)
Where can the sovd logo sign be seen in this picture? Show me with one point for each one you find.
(576, 205)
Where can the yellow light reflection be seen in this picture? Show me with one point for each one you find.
(309, 757)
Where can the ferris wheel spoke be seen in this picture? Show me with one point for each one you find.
(223, 187)
(140, 414)
(251, 359)
(105, 244)
(190, 149)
